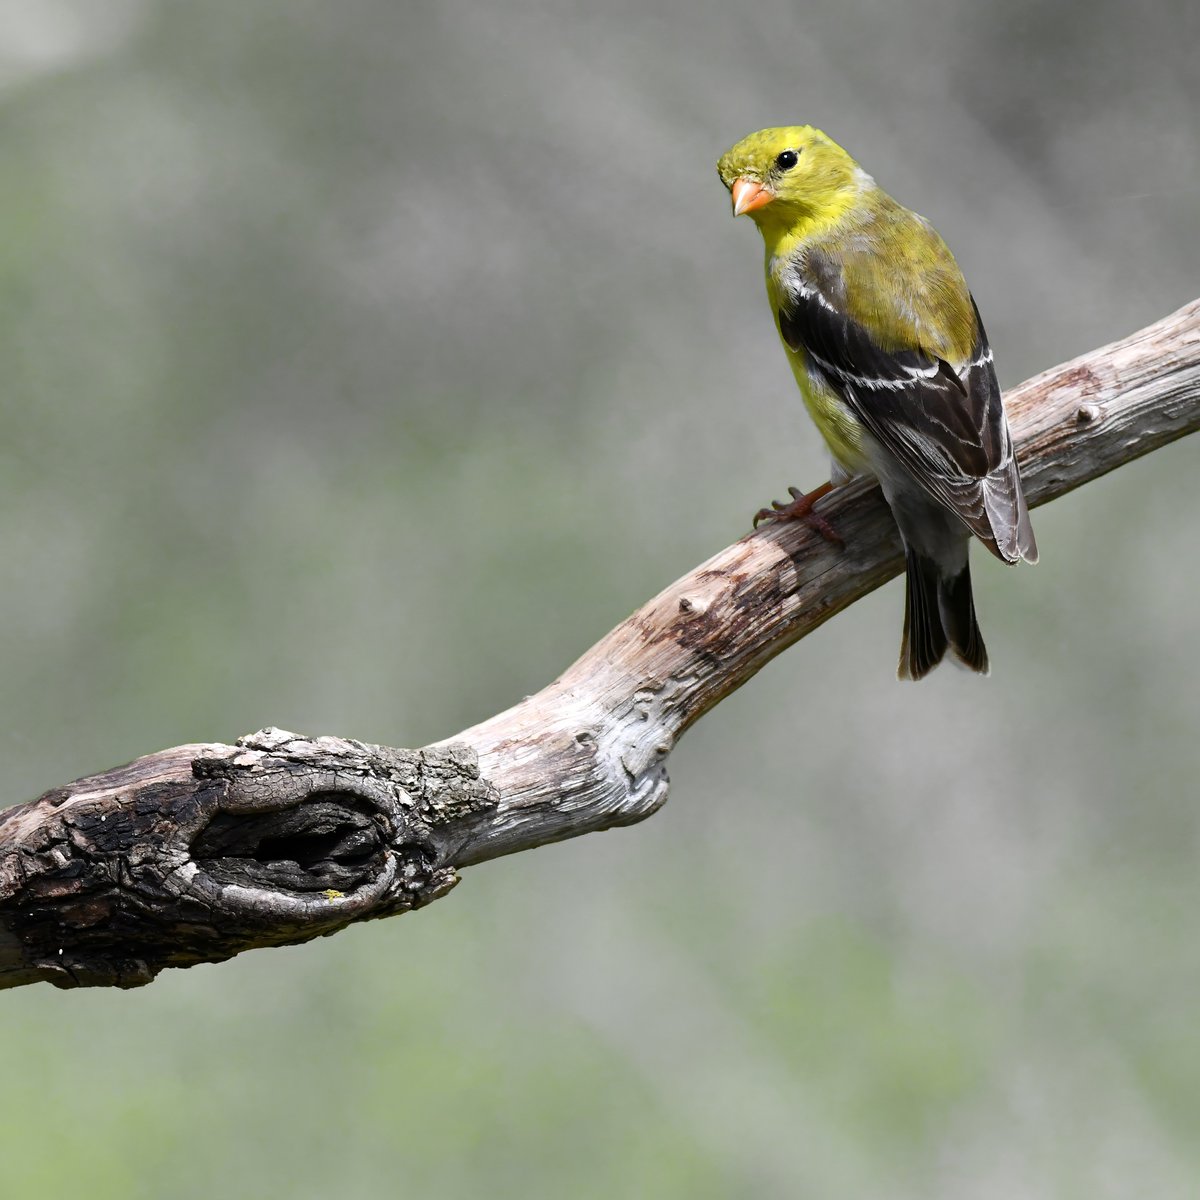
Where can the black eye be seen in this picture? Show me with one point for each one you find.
(787, 160)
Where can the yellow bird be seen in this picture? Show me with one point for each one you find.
(895, 369)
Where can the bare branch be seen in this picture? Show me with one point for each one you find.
(197, 853)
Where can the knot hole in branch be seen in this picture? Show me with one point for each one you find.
(331, 841)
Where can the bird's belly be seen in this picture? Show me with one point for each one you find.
(844, 434)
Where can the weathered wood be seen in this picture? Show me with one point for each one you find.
(199, 852)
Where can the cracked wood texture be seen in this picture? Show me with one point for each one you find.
(199, 852)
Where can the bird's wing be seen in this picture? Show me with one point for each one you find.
(944, 424)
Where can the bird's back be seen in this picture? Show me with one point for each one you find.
(894, 275)
(880, 311)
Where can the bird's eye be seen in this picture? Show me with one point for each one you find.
(787, 160)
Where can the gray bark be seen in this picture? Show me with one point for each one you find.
(199, 852)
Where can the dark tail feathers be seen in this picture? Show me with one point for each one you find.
(939, 615)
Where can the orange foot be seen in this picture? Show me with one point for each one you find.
(801, 509)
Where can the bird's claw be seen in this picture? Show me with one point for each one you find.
(784, 512)
(801, 509)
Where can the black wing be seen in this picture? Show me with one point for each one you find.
(944, 426)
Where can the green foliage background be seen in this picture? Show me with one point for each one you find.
(364, 363)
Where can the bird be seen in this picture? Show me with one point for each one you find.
(895, 369)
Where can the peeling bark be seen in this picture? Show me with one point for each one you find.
(199, 852)
(203, 851)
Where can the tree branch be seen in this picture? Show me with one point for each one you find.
(199, 852)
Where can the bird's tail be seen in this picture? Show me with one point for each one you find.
(939, 615)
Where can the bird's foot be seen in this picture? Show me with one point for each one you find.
(801, 509)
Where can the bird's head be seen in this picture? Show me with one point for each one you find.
(785, 177)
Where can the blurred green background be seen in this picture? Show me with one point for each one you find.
(363, 364)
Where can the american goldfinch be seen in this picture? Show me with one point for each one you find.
(894, 367)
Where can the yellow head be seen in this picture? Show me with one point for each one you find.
(789, 177)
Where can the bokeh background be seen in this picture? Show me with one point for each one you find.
(365, 362)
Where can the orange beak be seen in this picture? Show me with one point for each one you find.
(748, 194)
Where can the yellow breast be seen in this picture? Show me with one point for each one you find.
(841, 429)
